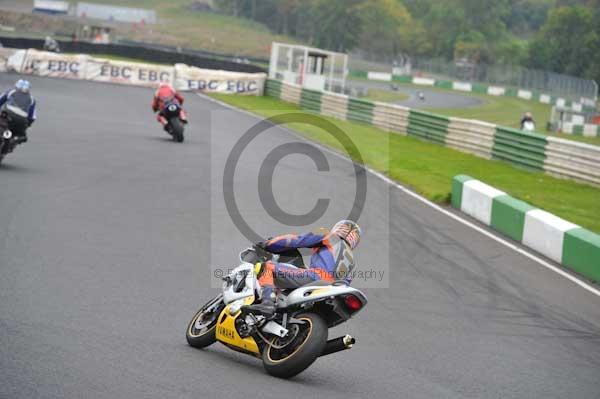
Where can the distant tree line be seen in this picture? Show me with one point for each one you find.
(558, 35)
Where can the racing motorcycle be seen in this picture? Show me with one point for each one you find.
(296, 335)
(172, 112)
(8, 140)
(7, 143)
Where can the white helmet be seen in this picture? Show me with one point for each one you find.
(23, 85)
(348, 231)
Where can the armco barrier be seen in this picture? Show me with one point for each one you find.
(334, 105)
(427, 126)
(471, 136)
(311, 100)
(519, 148)
(360, 110)
(273, 88)
(291, 93)
(574, 247)
(573, 160)
(391, 117)
(558, 157)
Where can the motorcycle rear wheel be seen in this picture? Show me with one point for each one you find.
(201, 331)
(305, 347)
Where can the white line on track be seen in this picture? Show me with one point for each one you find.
(424, 200)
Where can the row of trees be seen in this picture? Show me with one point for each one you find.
(569, 41)
(562, 35)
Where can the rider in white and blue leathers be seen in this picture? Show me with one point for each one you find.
(17, 109)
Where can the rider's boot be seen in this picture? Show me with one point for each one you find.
(266, 306)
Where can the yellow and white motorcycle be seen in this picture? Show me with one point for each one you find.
(296, 335)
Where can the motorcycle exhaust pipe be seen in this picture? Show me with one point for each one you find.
(338, 344)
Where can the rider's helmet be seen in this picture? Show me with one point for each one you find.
(348, 231)
(165, 86)
(23, 85)
(165, 90)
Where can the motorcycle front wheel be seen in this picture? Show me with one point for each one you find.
(200, 332)
(2, 152)
(176, 129)
(289, 356)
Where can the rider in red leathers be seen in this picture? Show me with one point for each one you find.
(163, 95)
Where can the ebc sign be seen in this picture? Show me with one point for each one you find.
(229, 86)
(213, 81)
(135, 73)
(63, 68)
(128, 73)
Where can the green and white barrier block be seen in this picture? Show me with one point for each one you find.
(525, 94)
(581, 252)
(386, 77)
(545, 98)
(545, 233)
(496, 91)
(564, 242)
(591, 130)
(462, 86)
(477, 200)
(423, 81)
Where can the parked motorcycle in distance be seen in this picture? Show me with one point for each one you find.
(292, 339)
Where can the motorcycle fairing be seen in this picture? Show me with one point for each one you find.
(227, 333)
(312, 294)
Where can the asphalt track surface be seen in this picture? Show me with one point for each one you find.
(433, 98)
(108, 230)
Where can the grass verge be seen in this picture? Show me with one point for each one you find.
(428, 168)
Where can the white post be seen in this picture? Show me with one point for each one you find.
(345, 72)
(290, 57)
(304, 67)
(331, 68)
(273, 61)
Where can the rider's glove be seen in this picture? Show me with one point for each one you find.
(261, 252)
